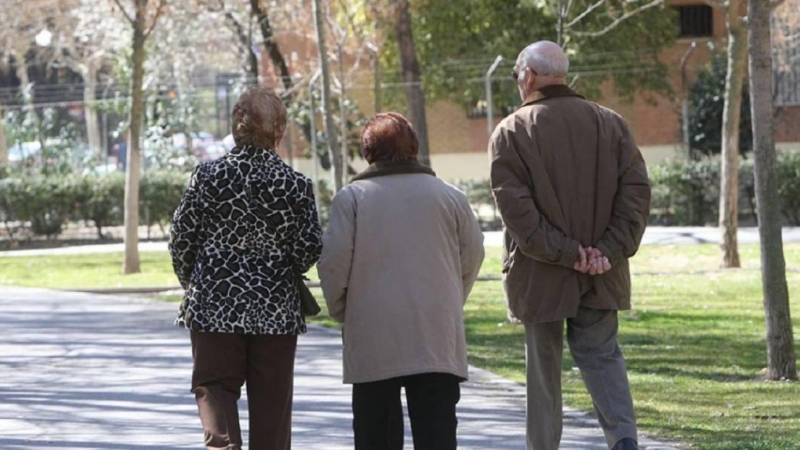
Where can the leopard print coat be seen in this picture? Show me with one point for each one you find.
(245, 229)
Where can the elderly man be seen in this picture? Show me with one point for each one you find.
(573, 193)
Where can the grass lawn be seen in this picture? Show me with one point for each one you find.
(85, 271)
(694, 341)
(695, 348)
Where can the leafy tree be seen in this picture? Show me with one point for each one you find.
(706, 103)
(458, 39)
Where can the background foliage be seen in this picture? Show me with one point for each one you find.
(706, 104)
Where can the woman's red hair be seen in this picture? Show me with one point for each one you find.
(389, 137)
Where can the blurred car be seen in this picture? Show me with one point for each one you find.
(59, 150)
(22, 151)
(204, 145)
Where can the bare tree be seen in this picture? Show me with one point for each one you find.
(412, 76)
(22, 21)
(244, 38)
(337, 161)
(86, 34)
(271, 44)
(352, 38)
(781, 360)
(735, 11)
(731, 116)
(615, 15)
(143, 21)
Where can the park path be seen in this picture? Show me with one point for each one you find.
(80, 371)
(652, 236)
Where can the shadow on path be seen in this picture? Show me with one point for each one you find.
(99, 372)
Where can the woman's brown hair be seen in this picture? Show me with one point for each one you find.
(389, 137)
(259, 118)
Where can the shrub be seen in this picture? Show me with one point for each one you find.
(47, 203)
(159, 195)
(12, 199)
(687, 192)
(101, 199)
(788, 173)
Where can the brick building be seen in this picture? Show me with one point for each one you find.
(458, 139)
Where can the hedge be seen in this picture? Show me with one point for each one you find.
(687, 192)
(684, 193)
(43, 205)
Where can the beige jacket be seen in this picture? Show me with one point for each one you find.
(399, 259)
(566, 172)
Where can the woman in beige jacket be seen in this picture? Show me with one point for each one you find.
(399, 259)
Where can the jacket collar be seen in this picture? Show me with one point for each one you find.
(552, 91)
(384, 168)
(257, 153)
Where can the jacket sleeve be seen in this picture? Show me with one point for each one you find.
(471, 250)
(338, 244)
(186, 231)
(631, 203)
(531, 231)
(307, 245)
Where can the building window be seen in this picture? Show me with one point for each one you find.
(695, 21)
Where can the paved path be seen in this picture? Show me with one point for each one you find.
(97, 372)
(653, 235)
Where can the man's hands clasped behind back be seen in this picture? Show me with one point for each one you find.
(592, 261)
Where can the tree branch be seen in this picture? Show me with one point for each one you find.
(620, 19)
(161, 4)
(268, 39)
(775, 3)
(245, 42)
(588, 11)
(125, 13)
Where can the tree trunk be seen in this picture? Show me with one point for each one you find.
(132, 175)
(26, 91)
(780, 344)
(411, 77)
(275, 55)
(343, 116)
(250, 63)
(560, 18)
(90, 111)
(3, 139)
(337, 166)
(729, 189)
(24, 82)
(376, 79)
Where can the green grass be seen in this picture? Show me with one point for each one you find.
(695, 348)
(694, 340)
(85, 271)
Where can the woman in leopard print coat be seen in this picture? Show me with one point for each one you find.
(243, 234)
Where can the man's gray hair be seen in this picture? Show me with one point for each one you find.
(545, 58)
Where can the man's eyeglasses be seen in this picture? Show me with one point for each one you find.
(515, 74)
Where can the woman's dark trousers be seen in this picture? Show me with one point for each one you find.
(431, 398)
(223, 362)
